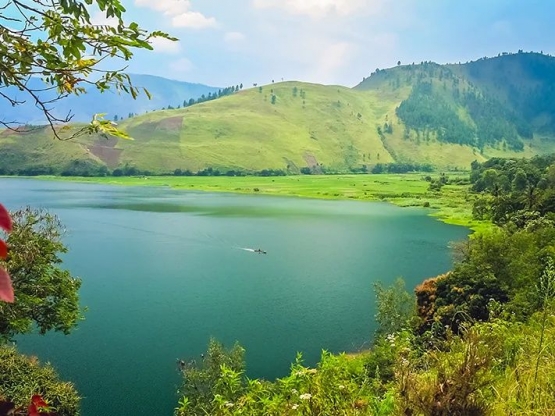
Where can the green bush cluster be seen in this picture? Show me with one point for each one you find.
(21, 377)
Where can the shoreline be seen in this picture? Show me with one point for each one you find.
(452, 205)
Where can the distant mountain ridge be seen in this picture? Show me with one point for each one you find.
(163, 91)
(414, 115)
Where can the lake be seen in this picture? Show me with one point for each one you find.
(164, 270)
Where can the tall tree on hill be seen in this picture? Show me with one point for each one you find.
(57, 41)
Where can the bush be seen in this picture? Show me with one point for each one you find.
(22, 377)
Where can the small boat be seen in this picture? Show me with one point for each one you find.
(260, 251)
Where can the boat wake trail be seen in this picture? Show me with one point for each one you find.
(252, 250)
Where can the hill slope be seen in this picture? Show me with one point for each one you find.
(443, 115)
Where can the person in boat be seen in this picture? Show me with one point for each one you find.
(259, 251)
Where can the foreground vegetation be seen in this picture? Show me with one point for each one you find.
(476, 341)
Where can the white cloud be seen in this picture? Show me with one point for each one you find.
(180, 66)
(180, 13)
(194, 20)
(234, 37)
(163, 45)
(100, 19)
(321, 8)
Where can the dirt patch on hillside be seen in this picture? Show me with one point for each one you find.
(105, 150)
(312, 163)
(172, 123)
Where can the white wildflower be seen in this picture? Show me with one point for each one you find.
(295, 406)
(228, 404)
(305, 396)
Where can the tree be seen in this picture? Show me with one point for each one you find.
(273, 98)
(395, 307)
(58, 42)
(520, 182)
(45, 296)
(221, 373)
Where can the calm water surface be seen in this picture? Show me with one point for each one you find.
(164, 270)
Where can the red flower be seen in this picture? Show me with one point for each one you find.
(6, 289)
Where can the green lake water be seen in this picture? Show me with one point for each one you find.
(165, 270)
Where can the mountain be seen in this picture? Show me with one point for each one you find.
(164, 92)
(427, 114)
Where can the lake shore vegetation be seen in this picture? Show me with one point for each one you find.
(447, 195)
(477, 342)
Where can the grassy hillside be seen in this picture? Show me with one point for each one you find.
(267, 128)
(443, 115)
(33, 151)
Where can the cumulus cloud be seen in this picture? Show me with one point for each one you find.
(322, 8)
(180, 13)
(163, 45)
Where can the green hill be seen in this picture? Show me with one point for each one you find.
(442, 115)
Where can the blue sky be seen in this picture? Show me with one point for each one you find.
(227, 42)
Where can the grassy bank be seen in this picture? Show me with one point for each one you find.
(453, 204)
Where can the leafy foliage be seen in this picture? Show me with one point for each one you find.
(23, 378)
(46, 296)
(515, 191)
(402, 167)
(395, 307)
(339, 385)
(58, 42)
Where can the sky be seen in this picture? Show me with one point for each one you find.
(228, 42)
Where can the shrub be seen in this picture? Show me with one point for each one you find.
(22, 377)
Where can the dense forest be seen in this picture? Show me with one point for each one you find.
(426, 110)
(481, 103)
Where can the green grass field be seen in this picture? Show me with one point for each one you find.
(452, 205)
